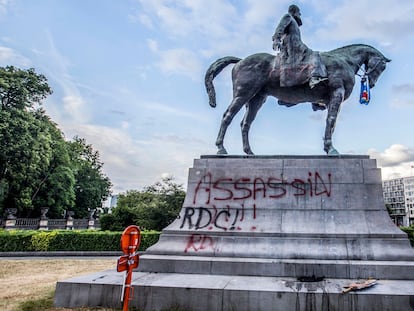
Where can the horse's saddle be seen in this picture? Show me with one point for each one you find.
(295, 74)
(300, 71)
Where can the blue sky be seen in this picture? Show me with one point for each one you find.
(129, 77)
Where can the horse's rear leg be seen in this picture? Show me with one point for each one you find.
(251, 111)
(228, 116)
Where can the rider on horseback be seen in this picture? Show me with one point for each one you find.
(298, 63)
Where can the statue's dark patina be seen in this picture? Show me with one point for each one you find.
(296, 62)
(260, 75)
(257, 76)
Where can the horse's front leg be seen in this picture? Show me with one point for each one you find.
(333, 110)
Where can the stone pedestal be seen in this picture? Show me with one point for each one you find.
(10, 224)
(270, 222)
(11, 218)
(43, 224)
(295, 216)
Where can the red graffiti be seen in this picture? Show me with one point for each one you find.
(229, 189)
(210, 218)
(198, 242)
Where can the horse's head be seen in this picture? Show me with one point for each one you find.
(374, 67)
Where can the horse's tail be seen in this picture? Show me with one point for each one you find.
(212, 71)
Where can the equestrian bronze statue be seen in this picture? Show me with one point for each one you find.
(293, 80)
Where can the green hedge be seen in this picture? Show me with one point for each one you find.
(67, 240)
(410, 232)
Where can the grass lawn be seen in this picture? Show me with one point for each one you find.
(29, 284)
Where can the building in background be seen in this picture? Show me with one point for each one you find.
(399, 199)
(114, 201)
(110, 203)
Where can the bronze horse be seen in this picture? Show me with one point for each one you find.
(257, 76)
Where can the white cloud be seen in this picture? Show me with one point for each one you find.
(177, 61)
(404, 88)
(125, 125)
(260, 12)
(404, 95)
(169, 110)
(139, 17)
(402, 102)
(4, 6)
(117, 149)
(383, 21)
(133, 164)
(395, 161)
(209, 29)
(394, 155)
(402, 170)
(153, 45)
(182, 18)
(9, 56)
(75, 108)
(180, 61)
(145, 20)
(206, 29)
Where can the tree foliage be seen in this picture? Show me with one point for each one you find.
(38, 168)
(153, 208)
(28, 157)
(22, 88)
(92, 186)
(56, 188)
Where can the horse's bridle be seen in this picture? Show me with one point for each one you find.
(367, 72)
(380, 60)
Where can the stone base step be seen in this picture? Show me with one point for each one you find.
(199, 292)
(347, 269)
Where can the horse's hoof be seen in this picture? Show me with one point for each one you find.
(333, 152)
(249, 152)
(222, 151)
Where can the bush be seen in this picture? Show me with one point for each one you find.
(111, 222)
(16, 241)
(151, 237)
(410, 232)
(85, 241)
(153, 208)
(64, 240)
(41, 241)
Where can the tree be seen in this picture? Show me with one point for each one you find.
(38, 168)
(25, 153)
(56, 189)
(92, 187)
(22, 89)
(34, 164)
(171, 195)
(25, 143)
(153, 208)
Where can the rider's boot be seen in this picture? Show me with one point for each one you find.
(315, 80)
(282, 103)
(318, 106)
